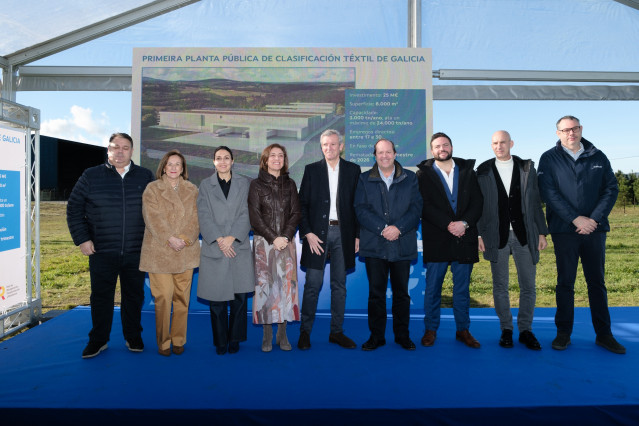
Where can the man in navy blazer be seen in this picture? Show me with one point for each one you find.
(330, 232)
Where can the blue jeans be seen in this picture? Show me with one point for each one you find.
(592, 251)
(315, 280)
(435, 273)
(526, 272)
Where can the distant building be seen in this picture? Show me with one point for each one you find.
(296, 121)
(62, 163)
(308, 107)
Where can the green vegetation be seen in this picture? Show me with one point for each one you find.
(628, 189)
(65, 271)
(622, 269)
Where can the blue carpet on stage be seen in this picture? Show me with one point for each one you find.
(45, 380)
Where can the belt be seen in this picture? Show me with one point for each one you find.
(333, 222)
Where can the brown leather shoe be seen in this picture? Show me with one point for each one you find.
(467, 338)
(429, 338)
(165, 352)
(178, 350)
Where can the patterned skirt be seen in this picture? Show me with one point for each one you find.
(276, 291)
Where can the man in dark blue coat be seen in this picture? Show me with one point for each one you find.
(580, 189)
(387, 203)
(452, 206)
(329, 231)
(104, 215)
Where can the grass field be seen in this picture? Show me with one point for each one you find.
(622, 269)
(65, 271)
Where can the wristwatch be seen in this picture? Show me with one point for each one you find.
(465, 224)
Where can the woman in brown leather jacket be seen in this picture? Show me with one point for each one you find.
(274, 212)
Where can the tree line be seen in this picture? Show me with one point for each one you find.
(628, 189)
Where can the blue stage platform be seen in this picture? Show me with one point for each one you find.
(45, 381)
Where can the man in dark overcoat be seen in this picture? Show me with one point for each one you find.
(330, 232)
(452, 206)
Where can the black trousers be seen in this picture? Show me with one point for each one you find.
(104, 269)
(591, 249)
(378, 271)
(229, 327)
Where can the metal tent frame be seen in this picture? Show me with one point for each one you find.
(28, 119)
(20, 77)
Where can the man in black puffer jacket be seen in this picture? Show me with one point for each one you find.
(104, 215)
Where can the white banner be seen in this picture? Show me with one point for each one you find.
(13, 286)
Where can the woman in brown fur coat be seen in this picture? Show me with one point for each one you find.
(170, 249)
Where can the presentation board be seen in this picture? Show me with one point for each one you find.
(195, 99)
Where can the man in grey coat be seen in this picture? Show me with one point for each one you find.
(512, 222)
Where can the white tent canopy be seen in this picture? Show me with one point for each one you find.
(591, 41)
(52, 28)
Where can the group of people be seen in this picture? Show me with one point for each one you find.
(128, 224)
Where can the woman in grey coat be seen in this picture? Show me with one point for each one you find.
(226, 260)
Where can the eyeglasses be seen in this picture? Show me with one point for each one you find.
(572, 129)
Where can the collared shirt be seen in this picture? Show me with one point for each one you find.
(333, 177)
(388, 180)
(575, 155)
(448, 177)
(126, 169)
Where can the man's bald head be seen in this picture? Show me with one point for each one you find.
(501, 144)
